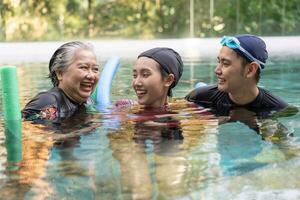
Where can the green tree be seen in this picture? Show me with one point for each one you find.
(6, 11)
(75, 19)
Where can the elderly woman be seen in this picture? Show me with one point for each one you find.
(74, 72)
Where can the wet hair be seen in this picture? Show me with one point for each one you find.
(64, 56)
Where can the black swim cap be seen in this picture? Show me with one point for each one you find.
(168, 59)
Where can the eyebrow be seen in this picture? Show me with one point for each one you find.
(142, 70)
(85, 63)
(224, 59)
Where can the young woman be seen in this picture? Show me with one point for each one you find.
(155, 73)
(73, 70)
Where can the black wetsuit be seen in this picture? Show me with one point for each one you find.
(210, 96)
(52, 104)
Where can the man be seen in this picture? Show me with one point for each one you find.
(241, 60)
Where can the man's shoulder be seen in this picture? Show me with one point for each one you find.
(268, 99)
(204, 93)
(203, 90)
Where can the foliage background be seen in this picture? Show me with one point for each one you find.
(145, 19)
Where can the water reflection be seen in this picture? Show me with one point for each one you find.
(26, 161)
(244, 150)
(185, 152)
(147, 154)
(161, 154)
(28, 157)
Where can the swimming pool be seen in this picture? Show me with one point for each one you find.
(184, 154)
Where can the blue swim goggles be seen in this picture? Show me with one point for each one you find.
(234, 43)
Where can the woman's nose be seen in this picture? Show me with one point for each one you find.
(90, 74)
(136, 81)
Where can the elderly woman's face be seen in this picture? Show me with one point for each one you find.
(79, 79)
(150, 87)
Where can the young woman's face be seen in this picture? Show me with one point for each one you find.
(150, 87)
(79, 79)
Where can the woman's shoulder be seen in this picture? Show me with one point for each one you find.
(46, 100)
(125, 103)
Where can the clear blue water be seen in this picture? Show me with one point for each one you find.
(113, 155)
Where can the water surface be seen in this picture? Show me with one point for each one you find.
(182, 153)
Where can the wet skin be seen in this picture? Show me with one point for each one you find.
(150, 87)
(236, 79)
(80, 78)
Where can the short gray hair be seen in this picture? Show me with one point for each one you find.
(64, 56)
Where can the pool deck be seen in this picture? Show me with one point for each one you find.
(190, 48)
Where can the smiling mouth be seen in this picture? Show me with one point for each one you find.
(140, 93)
(221, 80)
(87, 86)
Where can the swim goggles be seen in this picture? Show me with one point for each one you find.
(234, 43)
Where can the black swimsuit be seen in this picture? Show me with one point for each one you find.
(210, 96)
(52, 104)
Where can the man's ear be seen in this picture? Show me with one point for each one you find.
(169, 80)
(59, 75)
(252, 69)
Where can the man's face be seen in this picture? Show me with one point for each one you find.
(229, 71)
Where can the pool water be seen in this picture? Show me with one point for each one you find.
(182, 153)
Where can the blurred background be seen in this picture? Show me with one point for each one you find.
(95, 163)
(45, 20)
